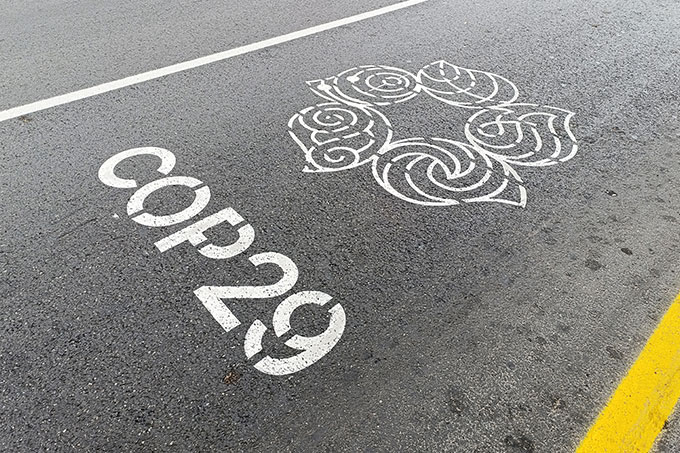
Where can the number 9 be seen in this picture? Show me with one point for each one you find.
(312, 348)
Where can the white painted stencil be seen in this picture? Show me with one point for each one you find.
(347, 130)
(215, 299)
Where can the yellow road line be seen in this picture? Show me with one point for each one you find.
(645, 398)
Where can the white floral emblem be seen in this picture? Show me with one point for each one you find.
(347, 131)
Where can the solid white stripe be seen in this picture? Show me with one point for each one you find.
(179, 67)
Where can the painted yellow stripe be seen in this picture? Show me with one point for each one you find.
(645, 398)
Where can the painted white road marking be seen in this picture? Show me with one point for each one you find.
(222, 314)
(349, 132)
(194, 234)
(213, 297)
(342, 136)
(312, 348)
(191, 64)
(136, 202)
(467, 88)
(285, 284)
(108, 177)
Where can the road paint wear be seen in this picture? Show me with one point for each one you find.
(179, 67)
(312, 349)
(645, 398)
(348, 131)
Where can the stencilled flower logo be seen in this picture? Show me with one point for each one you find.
(347, 131)
(339, 136)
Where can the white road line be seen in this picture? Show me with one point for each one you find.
(179, 67)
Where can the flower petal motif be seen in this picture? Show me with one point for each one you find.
(368, 86)
(502, 135)
(467, 88)
(523, 134)
(337, 136)
(440, 172)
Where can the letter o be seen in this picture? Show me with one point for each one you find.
(136, 202)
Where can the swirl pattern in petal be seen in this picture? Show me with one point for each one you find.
(467, 88)
(440, 172)
(523, 134)
(338, 136)
(503, 135)
(368, 86)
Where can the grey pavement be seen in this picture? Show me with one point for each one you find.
(473, 328)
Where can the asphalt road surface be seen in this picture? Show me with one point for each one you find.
(471, 327)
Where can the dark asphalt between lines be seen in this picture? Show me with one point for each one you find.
(469, 328)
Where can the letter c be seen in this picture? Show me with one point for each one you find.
(108, 177)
